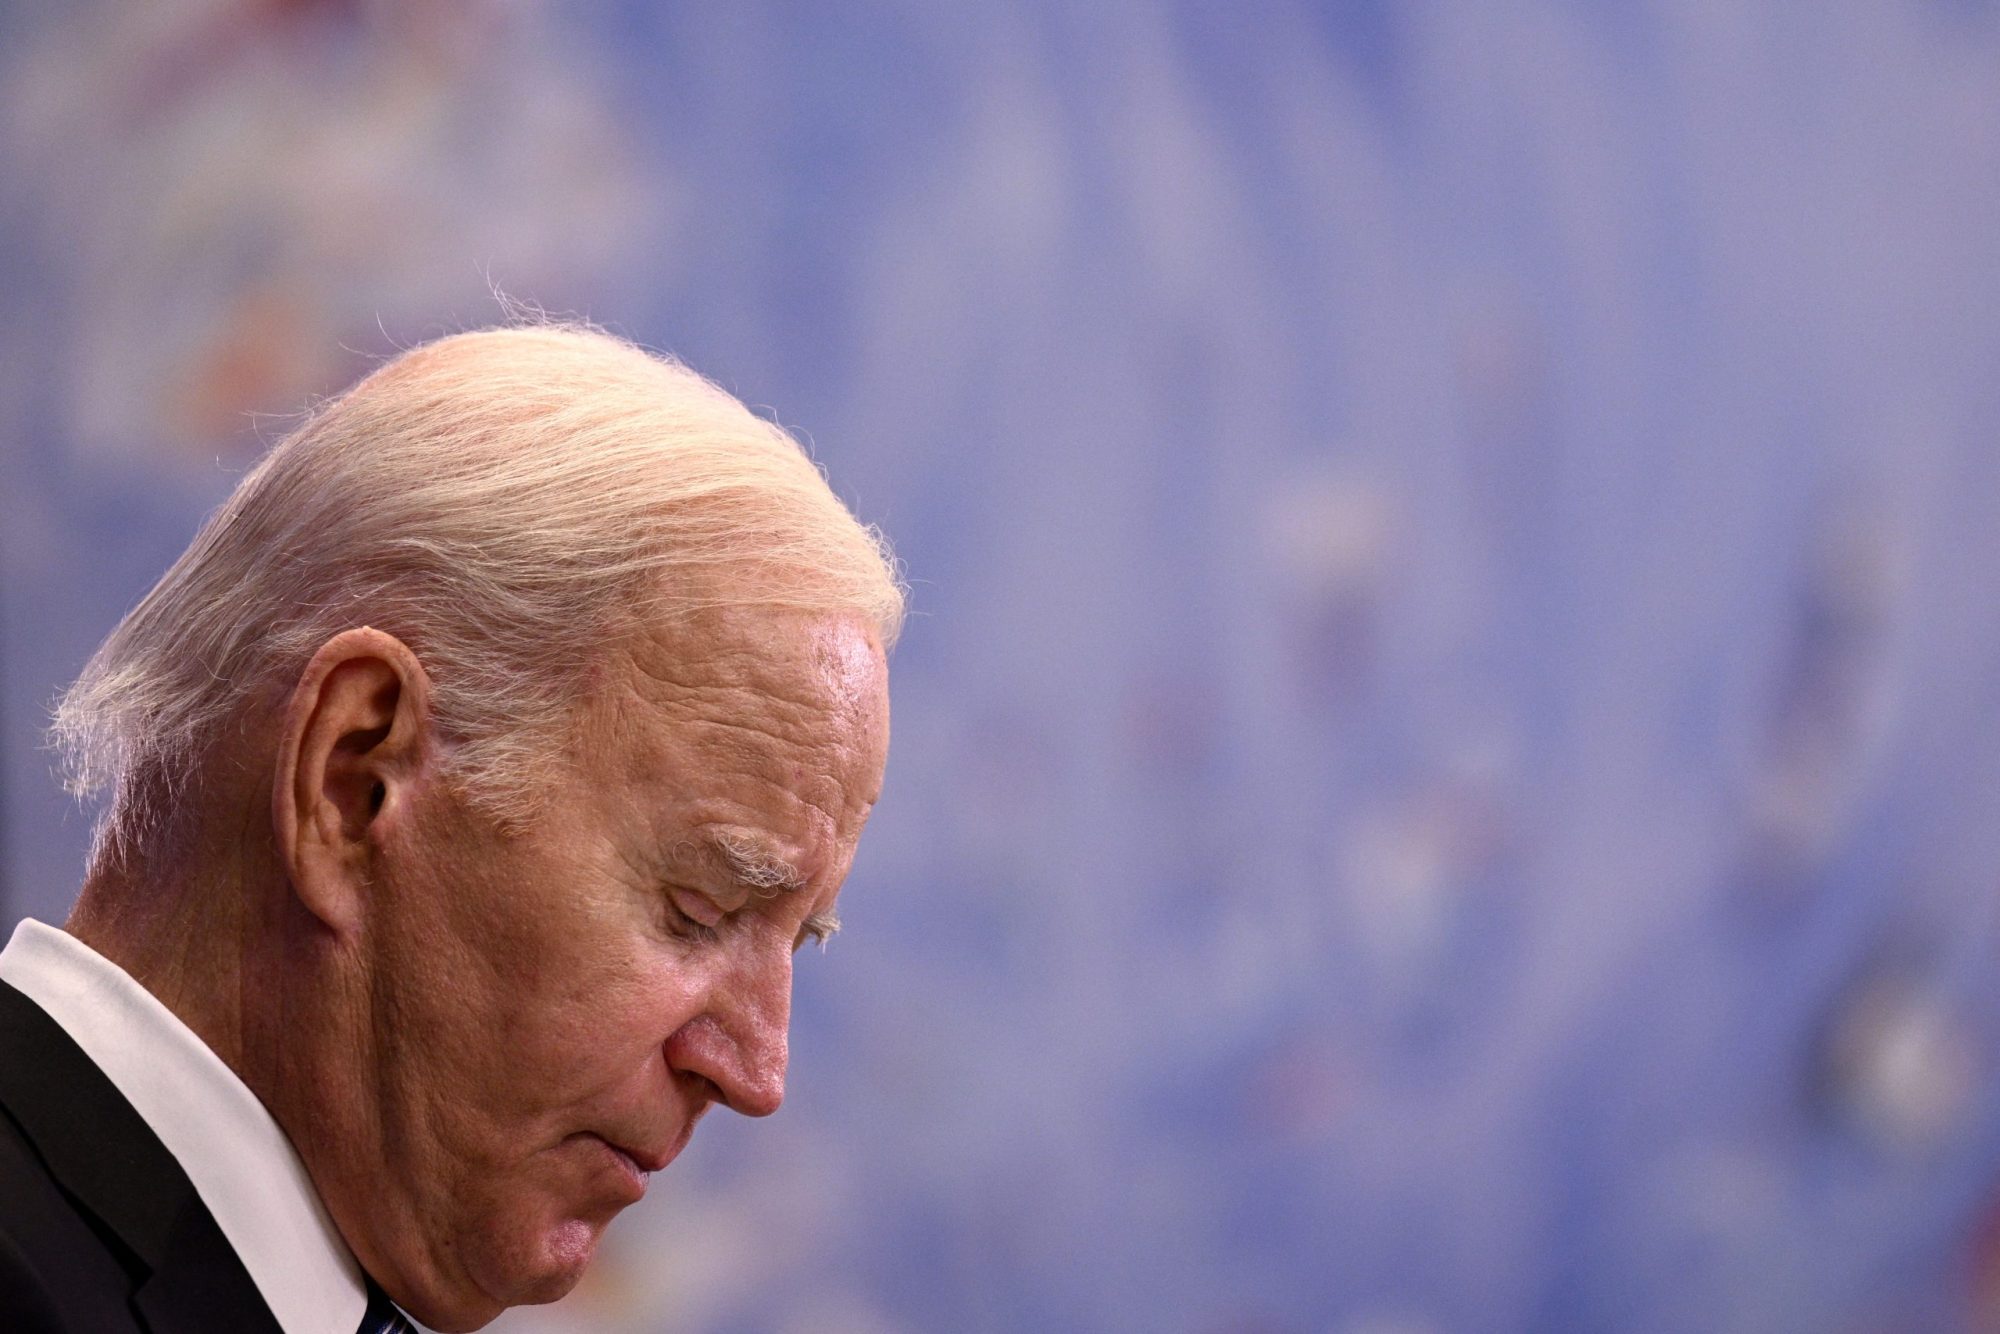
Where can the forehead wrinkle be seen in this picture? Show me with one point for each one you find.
(770, 748)
(751, 693)
(805, 773)
(741, 723)
(794, 697)
(739, 670)
(749, 732)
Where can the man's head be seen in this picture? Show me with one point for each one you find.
(507, 730)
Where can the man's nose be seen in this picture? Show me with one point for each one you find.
(740, 1041)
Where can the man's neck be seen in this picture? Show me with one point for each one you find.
(179, 933)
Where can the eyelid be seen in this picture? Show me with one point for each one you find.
(689, 928)
(707, 913)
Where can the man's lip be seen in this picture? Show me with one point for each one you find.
(644, 1161)
(651, 1160)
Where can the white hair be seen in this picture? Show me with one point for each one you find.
(506, 502)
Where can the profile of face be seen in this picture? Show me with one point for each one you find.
(551, 1006)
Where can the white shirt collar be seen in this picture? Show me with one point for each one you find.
(240, 1162)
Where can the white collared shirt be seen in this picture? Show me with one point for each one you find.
(227, 1142)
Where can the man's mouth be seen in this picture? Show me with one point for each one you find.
(642, 1162)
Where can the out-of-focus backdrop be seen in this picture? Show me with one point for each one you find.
(1447, 764)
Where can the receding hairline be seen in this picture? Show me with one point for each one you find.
(500, 498)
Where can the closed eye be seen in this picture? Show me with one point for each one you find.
(689, 928)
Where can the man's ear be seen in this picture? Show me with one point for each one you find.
(356, 738)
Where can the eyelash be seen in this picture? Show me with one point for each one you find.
(701, 933)
(687, 928)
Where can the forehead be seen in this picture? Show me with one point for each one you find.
(751, 705)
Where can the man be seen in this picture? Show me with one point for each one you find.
(474, 776)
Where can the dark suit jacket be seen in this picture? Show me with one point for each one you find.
(100, 1230)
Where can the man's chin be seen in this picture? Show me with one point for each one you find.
(509, 1256)
(552, 1266)
(570, 1248)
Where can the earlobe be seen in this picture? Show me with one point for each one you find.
(355, 735)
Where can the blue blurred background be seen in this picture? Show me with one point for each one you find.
(1447, 764)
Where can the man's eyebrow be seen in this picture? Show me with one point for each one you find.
(763, 873)
(754, 866)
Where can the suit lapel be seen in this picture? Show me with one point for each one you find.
(108, 1159)
(198, 1278)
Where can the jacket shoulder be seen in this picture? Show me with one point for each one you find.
(105, 1225)
(57, 1273)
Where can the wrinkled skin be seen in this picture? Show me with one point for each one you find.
(548, 1011)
